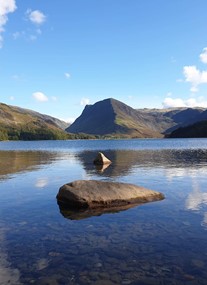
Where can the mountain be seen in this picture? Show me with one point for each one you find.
(19, 123)
(114, 118)
(196, 130)
(108, 118)
(111, 117)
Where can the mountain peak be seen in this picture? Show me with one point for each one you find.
(111, 117)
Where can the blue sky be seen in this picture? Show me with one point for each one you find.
(57, 56)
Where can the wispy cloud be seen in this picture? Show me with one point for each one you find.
(203, 55)
(67, 75)
(36, 16)
(68, 120)
(16, 35)
(6, 7)
(40, 97)
(32, 38)
(84, 101)
(53, 98)
(16, 77)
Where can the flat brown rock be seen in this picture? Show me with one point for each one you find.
(95, 194)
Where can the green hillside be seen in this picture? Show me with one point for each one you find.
(21, 124)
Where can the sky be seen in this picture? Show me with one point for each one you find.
(57, 56)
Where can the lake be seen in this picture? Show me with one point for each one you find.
(163, 242)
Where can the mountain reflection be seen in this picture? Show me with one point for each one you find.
(124, 161)
(19, 161)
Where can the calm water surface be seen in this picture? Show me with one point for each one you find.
(162, 242)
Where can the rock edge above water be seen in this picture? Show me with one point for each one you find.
(101, 159)
(96, 194)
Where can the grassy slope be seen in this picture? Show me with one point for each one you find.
(132, 122)
(17, 123)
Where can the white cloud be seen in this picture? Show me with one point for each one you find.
(189, 103)
(40, 97)
(173, 103)
(203, 55)
(36, 17)
(194, 76)
(84, 101)
(67, 75)
(6, 7)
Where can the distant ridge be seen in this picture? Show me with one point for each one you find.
(196, 130)
(111, 117)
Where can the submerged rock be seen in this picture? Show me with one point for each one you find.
(101, 159)
(98, 194)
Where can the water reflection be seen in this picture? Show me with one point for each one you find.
(72, 214)
(42, 182)
(101, 168)
(124, 161)
(196, 200)
(14, 161)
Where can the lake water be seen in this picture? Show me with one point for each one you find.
(161, 243)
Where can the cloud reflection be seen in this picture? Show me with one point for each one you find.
(196, 198)
(41, 182)
(204, 222)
